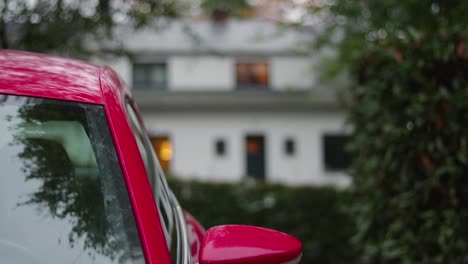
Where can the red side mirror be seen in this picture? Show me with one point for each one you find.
(238, 244)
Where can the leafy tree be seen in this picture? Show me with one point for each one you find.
(68, 26)
(217, 7)
(408, 103)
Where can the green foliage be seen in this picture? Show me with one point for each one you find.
(408, 103)
(68, 26)
(313, 214)
(232, 7)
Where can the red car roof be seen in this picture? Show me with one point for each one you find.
(30, 74)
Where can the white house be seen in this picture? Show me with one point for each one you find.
(224, 101)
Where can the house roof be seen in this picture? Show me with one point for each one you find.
(251, 36)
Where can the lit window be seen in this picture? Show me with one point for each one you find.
(290, 147)
(220, 147)
(163, 148)
(336, 157)
(253, 146)
(252, 74)
(149, 76)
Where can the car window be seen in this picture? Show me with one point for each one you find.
(161, 190)
(63, 198)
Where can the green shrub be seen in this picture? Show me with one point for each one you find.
(313, 214)
(408, 63)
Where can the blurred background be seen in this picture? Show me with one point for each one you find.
(341, 122)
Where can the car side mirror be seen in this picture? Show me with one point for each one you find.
(239, 244)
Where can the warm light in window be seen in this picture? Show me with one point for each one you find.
(163, 148)
(252, 146)
(252, 74)
(165, 151)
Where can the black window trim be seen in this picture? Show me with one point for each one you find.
(220, 147)
(327, 167)
(153, 62)
(290, 146)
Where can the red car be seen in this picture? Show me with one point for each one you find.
(81, 183)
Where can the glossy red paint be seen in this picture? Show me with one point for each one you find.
(238, 244)
(196, 234)
(30, 74)
(144, 207)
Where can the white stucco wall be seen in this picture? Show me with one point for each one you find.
(291, 73)
(192, 66)
(200, 73)
(217, 73)
(193, 136)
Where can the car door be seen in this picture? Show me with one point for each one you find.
(172, 217)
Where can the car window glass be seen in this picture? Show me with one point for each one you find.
(62, 194)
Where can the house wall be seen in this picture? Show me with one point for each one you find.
(193, 134)
(193, 137)
(201, 56)
(217, 73)
(200, 73)
(291, 73)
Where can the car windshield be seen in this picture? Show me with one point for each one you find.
(63, 198)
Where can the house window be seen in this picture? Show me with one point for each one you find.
(290, 147)
(252, 74)
(220, 147)
(336, 157)
(149, 76)
(163, 148)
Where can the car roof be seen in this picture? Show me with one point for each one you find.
(39, 75)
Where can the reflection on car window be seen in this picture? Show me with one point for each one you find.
(159, 185)
(62, 194)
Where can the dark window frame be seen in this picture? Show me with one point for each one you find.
(289, 147)
(147, 83)
(335, 156)
(220, 147)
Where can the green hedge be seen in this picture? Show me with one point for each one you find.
(313, 214)
(408, 104)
